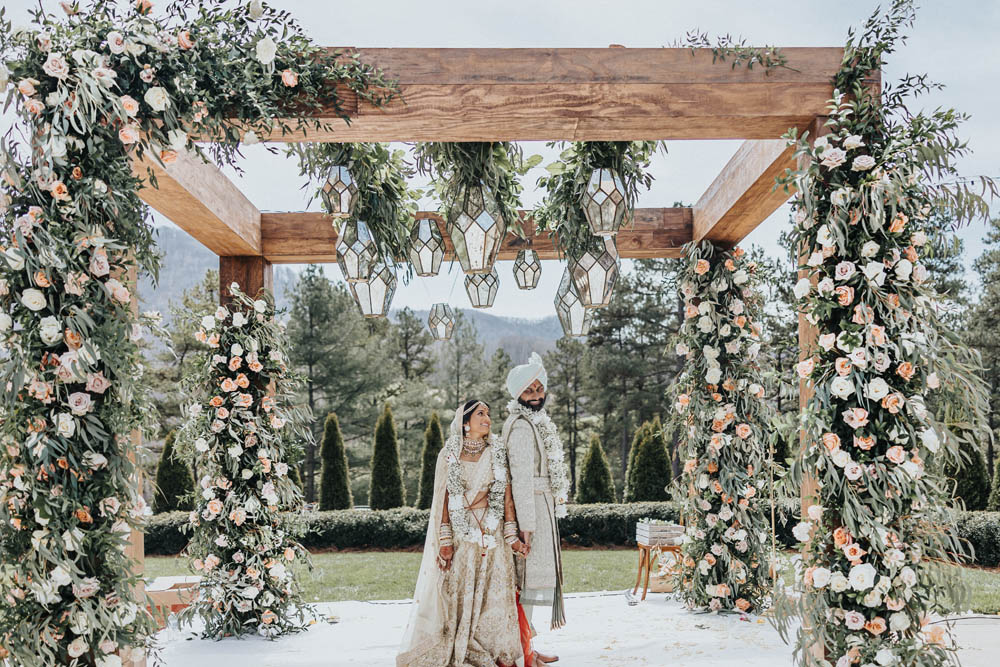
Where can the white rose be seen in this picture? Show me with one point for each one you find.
(65, 425)
(815, 512)
(116, 42)
(4, 76)
(841, 458)
(713, 375)
(933, 382)
(920, 273)
(838, 582)
(266, 50)
(840, 196)
(59, 576)
(177, 139)
(5, 322)
(861, 577)
(77, 647)
(841, 387)
(877, 389)
(899, 622)
(740, 277)
(15, 258)
(239, 319)
(109, 661)
(821, 577)
(844, 270)
(802, 288)
(825, 286)
(815, 259)
(236, 350)
(869, 249)
(852, 142)
(824, 236)
(903, 269)
(50, 330)
(863, 163)
(705, 324)
(833, 157)
(918, 238)
(259, 306)
(802, 531)
(875, 272)
(56, 66)
(929, 439)
(33, 299)
(208, 322)
(256, 9)
(201, 445)
(157, 98)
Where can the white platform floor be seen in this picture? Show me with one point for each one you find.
(602, 630)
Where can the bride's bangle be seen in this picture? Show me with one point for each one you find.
(445, 535)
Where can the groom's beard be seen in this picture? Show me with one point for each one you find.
(535, 405)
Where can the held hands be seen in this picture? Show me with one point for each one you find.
(520, 548)
(445, 554)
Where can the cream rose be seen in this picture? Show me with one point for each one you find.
(50, 330)
(56, 66)
(157, 98)
(116, 42)
(65, 425)
(79, 403)
(266, 50)
(33, 299)
(863, 163)
(841, 387)
(877, 389)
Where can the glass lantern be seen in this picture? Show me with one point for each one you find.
(527, 269)
(374, 296)
(594, 275)
(574, 318)
(426, 247)
(356, 251)
(476, 228)
(340, 192)
(441, 321)
(604, 203)
(482, 288)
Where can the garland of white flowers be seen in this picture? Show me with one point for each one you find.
(878, 533)
(554, 453)
(457, 487)
(721, 415)
(240, 431)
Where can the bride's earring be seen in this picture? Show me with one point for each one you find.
(467, 428)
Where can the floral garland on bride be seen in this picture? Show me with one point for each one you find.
(558, 471)
(457, 487)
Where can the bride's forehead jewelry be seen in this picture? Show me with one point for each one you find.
(473, 408)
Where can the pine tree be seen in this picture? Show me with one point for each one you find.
(174, 482)
(994, 503)
(433, 441)
(651, 468)
(596, 485)
(386, 489)
(462, 360)
(335, 487)
(641, 434)
(568, 370)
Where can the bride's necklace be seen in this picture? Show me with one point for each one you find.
(473, 447)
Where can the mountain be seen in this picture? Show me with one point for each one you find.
(185, 261)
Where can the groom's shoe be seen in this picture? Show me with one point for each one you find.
(546, 658)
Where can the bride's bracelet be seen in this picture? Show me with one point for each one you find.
(510, 532)
(445, 535)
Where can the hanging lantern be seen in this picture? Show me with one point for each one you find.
(356, 251)
(604, 203)
(595, 273)
(340, 192)
(574, 318)
(426, 247)
(441, 321)
(527, 269)
(374, 296)
(476, 228)
(482, 288)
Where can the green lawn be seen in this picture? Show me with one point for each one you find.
(381, 575)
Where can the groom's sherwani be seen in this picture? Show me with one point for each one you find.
(540, 574)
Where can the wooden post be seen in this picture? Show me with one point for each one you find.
(251, 273)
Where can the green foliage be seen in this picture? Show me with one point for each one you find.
(385, 201)
(413, 345)
(386, 491)
(993, 504)
(493, 388)
(596, 485)
(651, 472)
(971, 478)
(568, 367)
(497, 164)
(335, 488)
(174, 482)
(641, 435)
(737, 52)
(433, 442)
(462, 361)
(566, 183)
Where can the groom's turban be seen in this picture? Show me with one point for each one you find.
(521, 377)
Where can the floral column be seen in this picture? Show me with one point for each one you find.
(241, 429)
(720, 407)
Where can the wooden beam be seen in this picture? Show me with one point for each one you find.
(305, 238)
(252, 274)
(744, 193)
(202, 201)
(583, 94)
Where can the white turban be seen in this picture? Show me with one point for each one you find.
(521, 377)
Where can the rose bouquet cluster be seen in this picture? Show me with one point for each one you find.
(95, 88)
(877, 514)
(721, 414)
(242, 430)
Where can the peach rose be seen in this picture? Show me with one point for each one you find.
(235, 363)
(222, 413)
(168, 156)
(905, 370)
(911, 253)
(216, 401)
(744, 431)
(238, 516)
(129, 104)
(731, 265)
(865, 442)
(805, 367)
(843, 366)
(893, 402)
(831, 441)
(690, 311)
(27, 87)
(214, 506)
(863, 314)
(33, 106)
(129, 134)
(876, 626)
(83, 515)
(242, 381)
(702, 266)
(898, 223)
(842, 537)
(741, 321)
(59, 191)
(289, 78)
(184, 40)
(877, 335)
(853, 551)
(228, 385)
(896, 454)
(845, 295)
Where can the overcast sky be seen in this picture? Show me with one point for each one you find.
(954, 41)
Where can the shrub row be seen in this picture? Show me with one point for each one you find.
(586, 526)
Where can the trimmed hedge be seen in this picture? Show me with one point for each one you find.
(586, 526)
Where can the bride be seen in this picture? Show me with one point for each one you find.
(464, 608)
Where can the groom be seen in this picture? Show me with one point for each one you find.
(540, 486)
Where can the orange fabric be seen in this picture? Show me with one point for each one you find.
(525, 627)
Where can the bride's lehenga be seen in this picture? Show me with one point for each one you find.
(467, 616)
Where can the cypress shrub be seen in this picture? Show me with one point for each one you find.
(335, 488)
(994, 502)
(651, 473)
(596, 485)
(433, 442)
(640, 434)
(386, 491)
(174, 481)
(972, 481)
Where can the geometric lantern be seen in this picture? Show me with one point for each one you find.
(603, 202)
(356, 251)
(374, 296)
(482, 288)
(340, 193)
(426, 247)
(527, 269)
(594, 275)
(574, 318)
(441, 321)
(476, 228)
